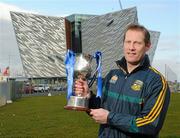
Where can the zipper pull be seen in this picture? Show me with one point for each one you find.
(126, 77)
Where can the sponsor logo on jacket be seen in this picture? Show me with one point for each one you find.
(113, 79)
(137, 85)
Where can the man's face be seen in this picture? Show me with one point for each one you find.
(134, 46)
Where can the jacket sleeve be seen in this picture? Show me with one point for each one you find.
(150, 120)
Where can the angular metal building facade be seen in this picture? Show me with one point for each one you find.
(154, 41)
(43, 40)
(42, 44)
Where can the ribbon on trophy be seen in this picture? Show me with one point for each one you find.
(98, 57)
(69, 62)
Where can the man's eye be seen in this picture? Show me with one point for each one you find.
(139, 43)
(128, 42)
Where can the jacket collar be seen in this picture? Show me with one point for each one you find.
(144, 63)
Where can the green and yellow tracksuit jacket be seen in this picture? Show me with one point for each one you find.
(137, 102)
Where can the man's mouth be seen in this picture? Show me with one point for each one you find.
(131, 53)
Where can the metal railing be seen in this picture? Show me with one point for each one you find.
(10, 91)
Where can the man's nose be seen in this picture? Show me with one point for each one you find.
(131, 46)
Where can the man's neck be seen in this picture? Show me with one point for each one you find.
(131, 67)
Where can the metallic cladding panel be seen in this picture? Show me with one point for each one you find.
(105, 33)
(154, 41)
(42, 44)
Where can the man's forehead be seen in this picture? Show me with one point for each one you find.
(134, 33)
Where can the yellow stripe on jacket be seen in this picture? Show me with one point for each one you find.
(155, 111)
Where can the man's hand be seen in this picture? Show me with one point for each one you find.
(99, 115)
(81, 87)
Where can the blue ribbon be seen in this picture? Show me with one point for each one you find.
(98, 57)
(69, 63)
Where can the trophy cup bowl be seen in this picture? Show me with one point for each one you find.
(82, 69)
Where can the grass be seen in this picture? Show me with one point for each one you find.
(171, 128)
(44, 117)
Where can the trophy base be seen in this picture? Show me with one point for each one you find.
(77, 103)
(76, 108)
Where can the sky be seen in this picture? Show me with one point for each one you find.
(156, 15)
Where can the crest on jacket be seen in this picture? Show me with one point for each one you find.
(113, 79)
(137, 85)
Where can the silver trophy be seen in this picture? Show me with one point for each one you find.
(82, 69)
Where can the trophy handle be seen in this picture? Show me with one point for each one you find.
(91, 82)
(98, 72)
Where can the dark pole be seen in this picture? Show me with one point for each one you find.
(120, 4)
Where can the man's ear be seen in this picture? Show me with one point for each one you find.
(148, 46)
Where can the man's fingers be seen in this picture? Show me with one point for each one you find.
(77, 85)
(93, 112)
(93, 115)
(80, 87)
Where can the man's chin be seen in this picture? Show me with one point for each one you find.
(133, 62)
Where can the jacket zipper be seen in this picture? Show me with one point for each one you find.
(122, 88)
